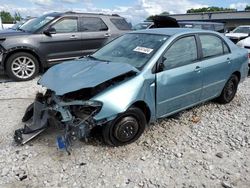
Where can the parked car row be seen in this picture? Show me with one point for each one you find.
(168, 22)
(34, 44)
(241, 36)
(55, 37)
(239, 33)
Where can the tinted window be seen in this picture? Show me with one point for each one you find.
(198, 26)
(93, 24)
(242, 30)
(182, 52)
(211, 45)
(120, 23)
(37, 23)
(208, 27)
(140, 26)
(66, 25)
(219, 28)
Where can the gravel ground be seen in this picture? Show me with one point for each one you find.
(206, 146)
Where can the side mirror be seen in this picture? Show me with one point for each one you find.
(160, 67)
(50, 31)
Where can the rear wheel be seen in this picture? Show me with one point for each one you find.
(229, 90)
(125, 129)
(22, 66)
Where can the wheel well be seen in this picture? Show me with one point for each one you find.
(237, 73)
(145, 109)
(23, 50)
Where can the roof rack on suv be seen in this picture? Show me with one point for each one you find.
(72, 12)
(115, 15)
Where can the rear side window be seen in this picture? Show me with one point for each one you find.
(208, 27)
(120, 23)
(226, 49)
(93, 24)
(219, 28)
(66, 25)
(198, 26)
(211, 46)
(182, 52)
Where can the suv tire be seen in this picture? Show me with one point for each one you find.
(22, 66)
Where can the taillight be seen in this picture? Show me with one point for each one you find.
(249, 56)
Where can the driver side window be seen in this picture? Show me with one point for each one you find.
(66, 25)
(182, 52)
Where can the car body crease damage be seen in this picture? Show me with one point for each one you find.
(73, 111)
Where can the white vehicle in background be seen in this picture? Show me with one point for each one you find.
(1, 24)
(239, 33)
(245, 43)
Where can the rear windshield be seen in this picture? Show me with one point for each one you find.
(121, 23)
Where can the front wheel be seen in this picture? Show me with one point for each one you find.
(126, 128)
(229, 90)
(22, 66)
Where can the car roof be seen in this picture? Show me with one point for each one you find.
(172, 31)
(244, 26)
(58, 14)
(200, 22)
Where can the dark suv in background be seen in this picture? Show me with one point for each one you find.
(55, 37)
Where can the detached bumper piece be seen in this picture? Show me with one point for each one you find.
(74, 116)
(37, 116)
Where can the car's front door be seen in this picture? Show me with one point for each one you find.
(65, 43)
(95, 34)
(179, 84)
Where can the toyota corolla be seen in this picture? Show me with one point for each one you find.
(134, 80)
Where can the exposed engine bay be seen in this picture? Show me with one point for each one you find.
(76, 116)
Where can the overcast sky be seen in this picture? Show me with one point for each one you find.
(133, 10)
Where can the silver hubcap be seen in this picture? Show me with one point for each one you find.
(23, 67)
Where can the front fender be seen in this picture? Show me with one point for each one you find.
(119, 98)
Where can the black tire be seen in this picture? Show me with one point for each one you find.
(25, 63)
(229, 90)
(125, 129)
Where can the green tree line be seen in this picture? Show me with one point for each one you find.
(214, 9)
(8, 18)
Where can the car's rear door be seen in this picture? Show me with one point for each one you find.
(95, 33)
(65, 43)
(216, 64)
(179, 84)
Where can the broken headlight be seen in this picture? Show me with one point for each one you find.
(90, 109)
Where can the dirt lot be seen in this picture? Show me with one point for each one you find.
(207, 146)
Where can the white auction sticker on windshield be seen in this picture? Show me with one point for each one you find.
(143, 50)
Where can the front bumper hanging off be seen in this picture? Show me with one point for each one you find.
(74, 116)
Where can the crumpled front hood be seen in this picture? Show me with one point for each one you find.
(80, 74)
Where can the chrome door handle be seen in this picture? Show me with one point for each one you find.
(107, 35)
(197, 69)
(73, 37)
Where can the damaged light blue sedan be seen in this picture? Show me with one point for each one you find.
(134, 80)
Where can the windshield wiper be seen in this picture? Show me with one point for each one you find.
(19, 29)
(95, 58)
